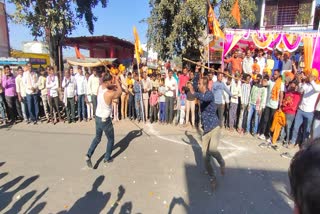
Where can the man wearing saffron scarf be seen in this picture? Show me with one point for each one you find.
(274, 97)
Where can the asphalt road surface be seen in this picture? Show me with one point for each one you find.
(156, 169)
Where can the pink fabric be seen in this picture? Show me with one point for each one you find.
(227, 43)
(154, 98)
(275, 42)
(183, 79)
(291, 47)
(316, 58)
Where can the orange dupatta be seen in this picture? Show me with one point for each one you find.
(276, 90)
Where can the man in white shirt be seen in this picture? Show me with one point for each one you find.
(92, 88)
(247, 63)
(146, 88)
(21, 91)
(306, 108)
(261, 60)
(30, 80)
(70, 91)
(171, 87)
(81, 92)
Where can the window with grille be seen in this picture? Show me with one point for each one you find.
(286, 12)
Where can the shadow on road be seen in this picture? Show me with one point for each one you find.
(95, 201)
(7, 196)
(122, 145)
(241, 190)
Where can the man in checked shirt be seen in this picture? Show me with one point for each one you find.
(211, 128)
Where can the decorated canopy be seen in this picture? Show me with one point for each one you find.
(90, 62)
(288, 41)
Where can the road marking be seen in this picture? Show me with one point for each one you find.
(236, 150)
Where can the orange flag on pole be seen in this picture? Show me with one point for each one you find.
(213, 24)
(137, 45)
(236, 12)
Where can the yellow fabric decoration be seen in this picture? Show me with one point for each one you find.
(261, 44)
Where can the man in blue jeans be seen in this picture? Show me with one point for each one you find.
(305, 113)
(30, 81)
(106, 93)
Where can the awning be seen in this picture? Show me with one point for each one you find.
(90, 62)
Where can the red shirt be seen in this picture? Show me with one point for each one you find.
(183, 79)
(291, 102)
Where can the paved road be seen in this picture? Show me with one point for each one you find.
(156, 170)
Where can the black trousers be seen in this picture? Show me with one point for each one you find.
(153, 113)
(169, 109)
(94, 103)
(54, 104)
(14, 108)
(266, 121)
(70, 109)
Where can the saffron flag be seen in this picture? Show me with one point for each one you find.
(213, 24)
(137, 45)
(236, 12)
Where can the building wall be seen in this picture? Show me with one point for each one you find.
(286, 15)
(4, 39)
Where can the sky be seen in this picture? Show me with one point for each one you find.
(117, 19)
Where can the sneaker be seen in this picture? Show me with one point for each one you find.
(88, 160)
(262, 137)
(269, 140)
(106, 162)
(286, 155)
(35, 122)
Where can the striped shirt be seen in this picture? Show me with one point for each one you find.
(245, 89)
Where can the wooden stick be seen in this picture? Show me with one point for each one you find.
(212, 69)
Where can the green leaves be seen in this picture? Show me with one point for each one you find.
(247, 11)
(175, 27)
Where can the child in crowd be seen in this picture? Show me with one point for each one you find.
(89, 101)
(115, 109)
(183, 99)
(154, 99)
(162, 102)
(131, 103)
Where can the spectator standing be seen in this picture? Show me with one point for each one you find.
(162, 102)
(81, 93)
(154, 101)
(171, 86)
(70, 92)
(92, 88)
(21, 92)
(44, 92)
(52, 87)
(30, 80)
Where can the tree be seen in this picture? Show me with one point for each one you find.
(55, 19)
(247, 10)
(178, 27)
(175, 27)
